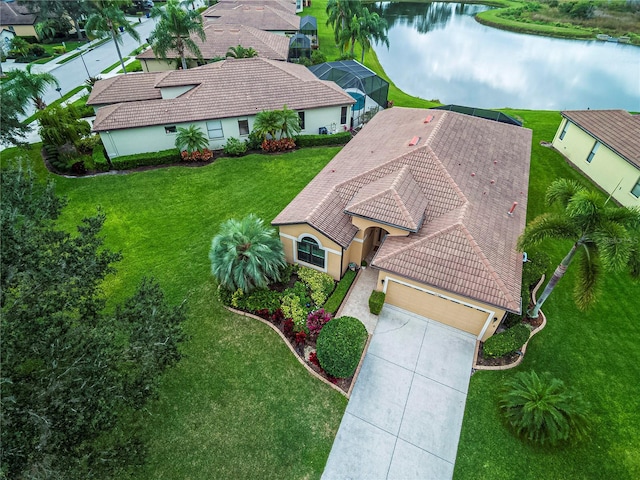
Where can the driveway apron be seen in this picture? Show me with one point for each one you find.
(404, 417)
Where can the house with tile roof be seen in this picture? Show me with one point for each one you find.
(219, 38)
(260, 16)
(426, 194)
(18, 19)
(140, 112)
(605, 146)
(289, 6)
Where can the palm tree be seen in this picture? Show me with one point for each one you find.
(191, 139)
(605, 237)
(32, 85)
(371, 27)
(106, 19)
(339, 16)
(241, 52)
(289, 122)
(174, 30)
(267, 123)
(246, 254)
(542, 409)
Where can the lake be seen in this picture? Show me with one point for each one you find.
(438, 51)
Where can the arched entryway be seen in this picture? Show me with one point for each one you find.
(373, 238)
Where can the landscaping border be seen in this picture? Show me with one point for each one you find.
(524, 347)
(301, 360)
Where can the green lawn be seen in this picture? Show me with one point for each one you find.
(239, 405)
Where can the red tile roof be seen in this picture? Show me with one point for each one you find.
(230, 88)
(220, 37)
(617, 129)
(285, 5)
(469, 170)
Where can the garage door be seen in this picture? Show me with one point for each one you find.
(434, 307)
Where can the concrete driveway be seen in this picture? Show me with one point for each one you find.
(404, 417)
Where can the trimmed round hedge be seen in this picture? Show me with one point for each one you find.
(506, 342)
(340, 345)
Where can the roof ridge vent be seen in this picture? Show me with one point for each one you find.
(428, 119)
(414, 141)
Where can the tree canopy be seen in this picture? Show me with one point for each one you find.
(32, 85)
(70, 368)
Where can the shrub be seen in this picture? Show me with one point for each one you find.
(236, 298)
(318, 57)
(340, 138)
(235, 147)
(254, 140)
(292, 308)
(203, 155)
(100, 162)
(542, 409)
(335, 300)
(59, 50)
(37, 50)
(301, 337)
(536, 265)
(287, 327)
(321, 284)
(376, 302)
(164, 157)
(86, 145)
(225, 295)
(506, 342)
(340, 345)
(260, 299)
(316, 320)
(284, 144)
(287, 271)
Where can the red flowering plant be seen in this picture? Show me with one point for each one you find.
(197, 156)
(316, 320)
(313, 358)
(271, 145)
(287, 327)
(301, 337)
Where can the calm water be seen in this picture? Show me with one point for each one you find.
(438, 51)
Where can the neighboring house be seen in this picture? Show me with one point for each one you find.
(18, 19)
(219, 38)
(427, 194)
(6, 37)
(290, 6)
(605, 146)
(141, 112)
(262, 17)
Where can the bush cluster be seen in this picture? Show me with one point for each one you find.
(260, 299)
(282, 145)
(316, 320)
(340, 138)
(234, 147)
(198, 156)
(293, 308)
(145, 159)
(340, 345)
(321, 284)
(506, 342)
(335, 300)
(376, 302)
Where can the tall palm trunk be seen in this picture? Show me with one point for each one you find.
(115, 41)
(557, 275)
(76, 25)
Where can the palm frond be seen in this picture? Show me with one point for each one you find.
(614, 245)
(588, 276)
(545, 226)
(561, 190)
(629, 217)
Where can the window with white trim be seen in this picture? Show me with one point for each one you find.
(343, 115)
(243, 127)
(564, 130)
(635, 191)
(593, 151)
(310, 252)
(214, 128)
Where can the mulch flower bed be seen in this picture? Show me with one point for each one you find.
(510, 358)
(303, 344)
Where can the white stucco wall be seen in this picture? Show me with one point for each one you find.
(155, 139)
(173, 92)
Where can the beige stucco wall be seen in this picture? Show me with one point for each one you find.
(363, 224)
(22, 30)
(607, 169)
(290, 234)
(173, 92)
(153, 139)
(158, 65)
(430, 305)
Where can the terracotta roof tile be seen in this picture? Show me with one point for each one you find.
(262, 17)
(220, 37)
(617, 129)
(229, 88)
(469, 170)
(285, 5)
(126, 88)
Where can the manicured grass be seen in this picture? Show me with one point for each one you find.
(58, 101)
(239, 405)
(595, 352)
(114, 65)
(134, 66)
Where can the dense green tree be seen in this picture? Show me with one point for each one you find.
(289, 122)
(542, 410)
(339, 15)
(70, 369)
(173, 31)
(191, 139)
(106, 19)
(61, 125)
(32, 85)
(240, 52)
(12, 130)
(20, 46)
(246, 254)
(59, 9)
(605, 237)
(370, 27)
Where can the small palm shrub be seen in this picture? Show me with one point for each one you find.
(340, 345)
(542, 409)
(246, 254)
(506, 342)
(191, 139)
